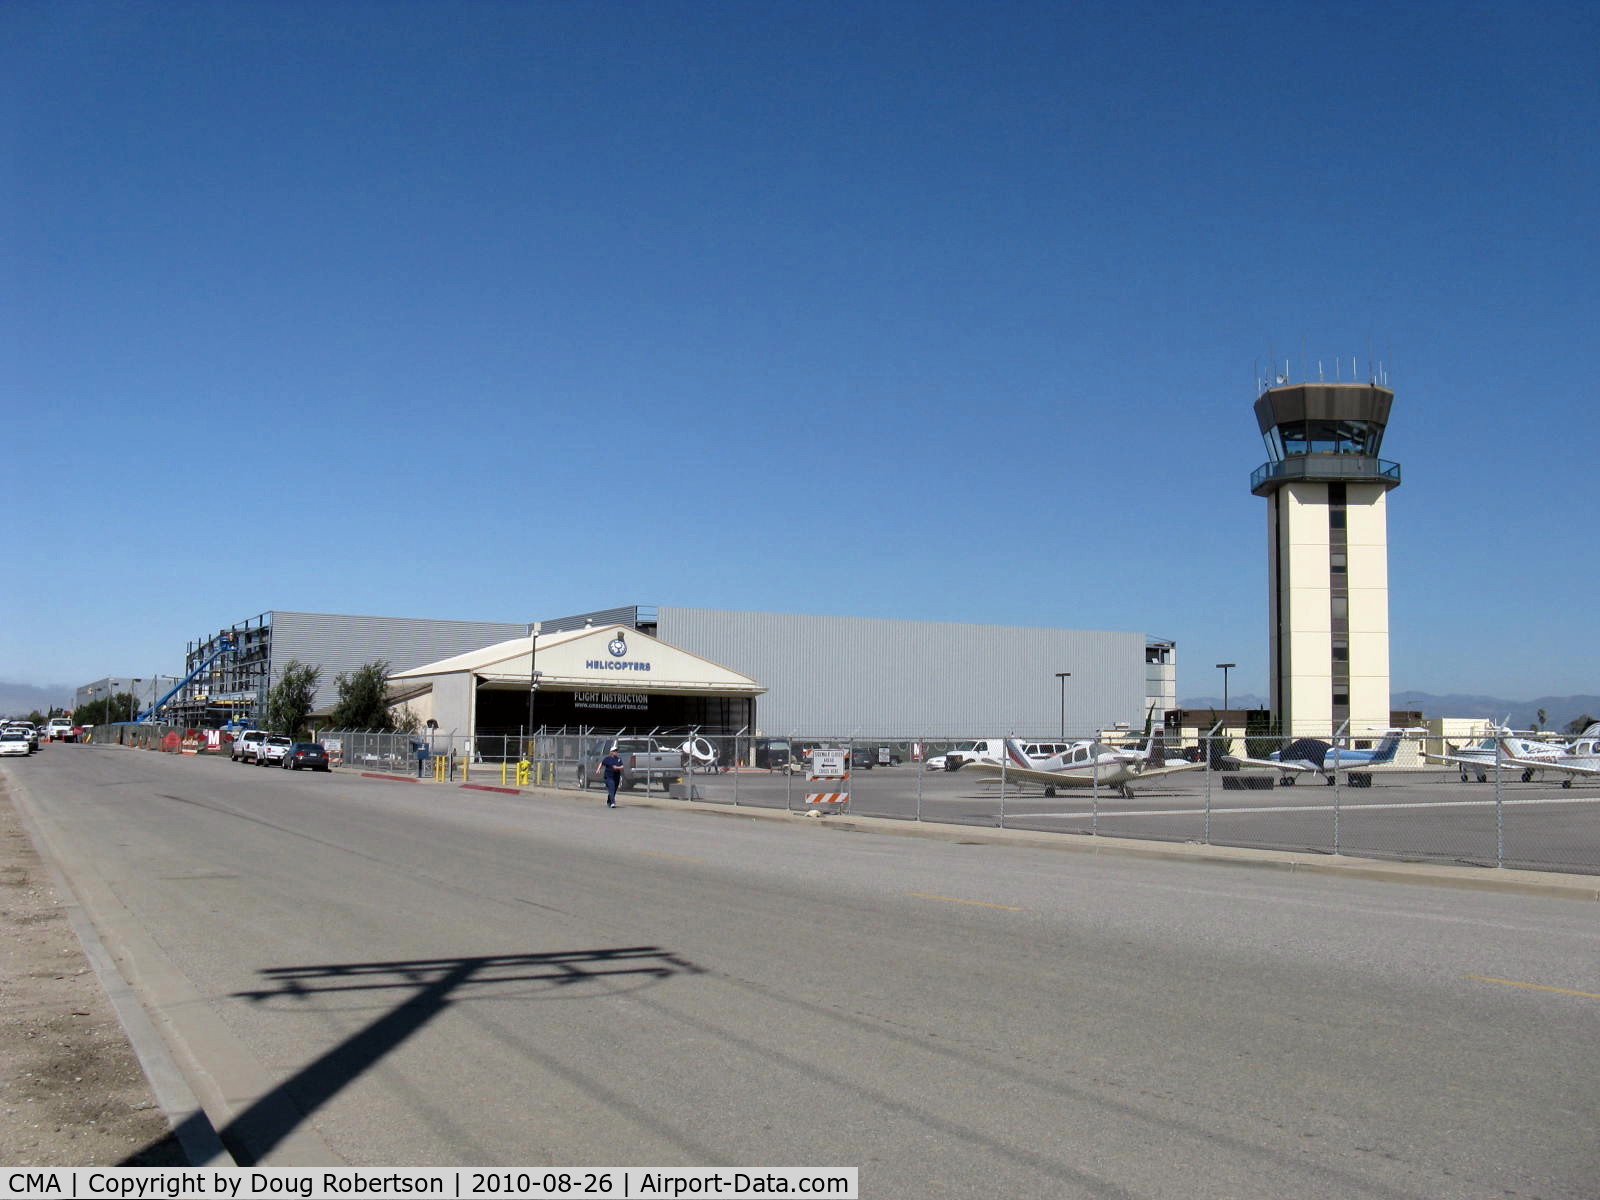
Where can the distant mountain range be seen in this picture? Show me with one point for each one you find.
(1524, 714)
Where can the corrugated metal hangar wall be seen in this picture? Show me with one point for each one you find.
(868, 676)
(343, 644)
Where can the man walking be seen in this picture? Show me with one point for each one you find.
(612, 766)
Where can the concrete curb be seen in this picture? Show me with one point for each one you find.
(186, 1116)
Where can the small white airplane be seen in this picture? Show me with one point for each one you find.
(1502, 748)
(1080, 765)
(1581, 759)
(1312, 756)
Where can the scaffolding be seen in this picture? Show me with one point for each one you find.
(227, 685)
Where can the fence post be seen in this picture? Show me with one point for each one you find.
(1338, 797)
(1003, 758)
(922, 769)
(1205, 749)
(1499, 810)
(1094, 798)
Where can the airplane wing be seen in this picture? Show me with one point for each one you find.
(1455, 760)
(1168, 769)
(1548, 764)
(1259, 764)
(1048, 778)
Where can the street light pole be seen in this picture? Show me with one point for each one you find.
(1063, 676)
(533, 679)
(1225, 668)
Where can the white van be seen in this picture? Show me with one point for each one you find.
(993, 750)
(989, 750)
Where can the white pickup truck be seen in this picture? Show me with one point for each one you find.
(273, 750)
(247, 745)
(61, 729)
(644, 760)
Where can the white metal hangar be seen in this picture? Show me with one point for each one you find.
(603, 676)
(833, 676)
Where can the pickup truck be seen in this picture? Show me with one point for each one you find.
(273, 749)
(246, 744)
(60, 729)
(644, 760)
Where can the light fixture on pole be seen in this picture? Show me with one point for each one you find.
(1063, 676)
(533, 678)
(1225, 668)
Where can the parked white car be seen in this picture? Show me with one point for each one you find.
(14, 741)
(28, 731)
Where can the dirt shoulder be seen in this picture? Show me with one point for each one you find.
(72, 1093)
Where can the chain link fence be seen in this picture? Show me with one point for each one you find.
(1500, 801)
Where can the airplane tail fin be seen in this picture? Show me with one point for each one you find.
(1016, 755)
(1386, 749)
(1155, 749)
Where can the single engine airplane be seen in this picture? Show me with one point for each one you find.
(1313, 756)
(1085, 764)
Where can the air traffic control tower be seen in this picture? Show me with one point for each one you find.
(1327, 554)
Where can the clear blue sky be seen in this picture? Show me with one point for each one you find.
(938, 311)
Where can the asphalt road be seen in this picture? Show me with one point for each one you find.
(377, 973)
(1406, 814)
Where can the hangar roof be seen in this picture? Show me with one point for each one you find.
(605, 656)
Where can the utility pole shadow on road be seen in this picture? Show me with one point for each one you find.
(432, 986)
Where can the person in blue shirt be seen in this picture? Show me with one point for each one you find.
(611, 765)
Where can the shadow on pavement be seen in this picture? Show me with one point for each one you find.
(430, 986)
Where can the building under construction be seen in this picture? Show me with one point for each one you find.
(231, 672)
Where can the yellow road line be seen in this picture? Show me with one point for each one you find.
(1537, 986)
(959, 900)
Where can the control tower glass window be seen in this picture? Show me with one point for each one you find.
(1294, 438)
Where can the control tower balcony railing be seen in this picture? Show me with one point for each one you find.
(1323, 468)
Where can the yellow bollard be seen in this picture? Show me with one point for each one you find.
(504, 768)
(440, 765)
(466, 765)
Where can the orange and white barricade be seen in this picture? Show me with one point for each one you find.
(829, 766)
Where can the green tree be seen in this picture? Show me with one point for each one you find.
(290, 701)
(103, 710)
(1579, 724)
(1261, 733)
(1541, 718)
(364, 699)
(36, 717)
